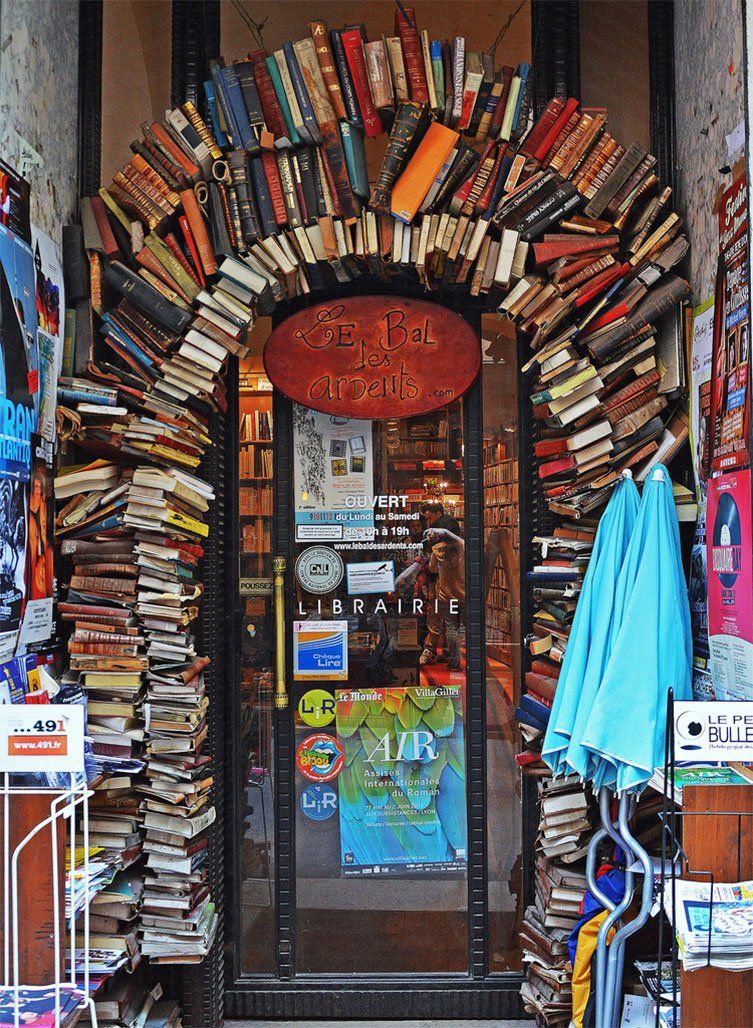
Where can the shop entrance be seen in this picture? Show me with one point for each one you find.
(377, 835)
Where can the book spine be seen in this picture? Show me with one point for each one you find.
(458, 78)
(406, 29)
(202, 129)
(199, 231)
(289, 192)
(237, 162)
(397, 68)
(145, 297)
(276, 196)
(350, 100)
(337, 167)
(401, 143)
(301, 93)
(270, 105)
(354, 54)
(327, 66)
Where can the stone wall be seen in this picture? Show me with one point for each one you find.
(39, 103)
(710, 106)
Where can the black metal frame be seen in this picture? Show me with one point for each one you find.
(474, 994)
(89, 95)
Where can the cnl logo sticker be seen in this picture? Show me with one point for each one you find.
(317, 708)
(319, 757)
(318, 802)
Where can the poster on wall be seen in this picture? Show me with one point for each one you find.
(18, 393)
(731, 349)
(402, 790)
(334, 477)
(730, 585)
(701, 362)
(37, 625)
(50, 301)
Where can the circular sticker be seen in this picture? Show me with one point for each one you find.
(727, 541)
(317, 708)
(319, 569)
(318, 802)
(319, 757)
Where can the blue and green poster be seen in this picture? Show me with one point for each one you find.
(402, 798)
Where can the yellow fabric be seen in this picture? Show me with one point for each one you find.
(587, 939)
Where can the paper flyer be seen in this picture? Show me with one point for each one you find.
(50, 300)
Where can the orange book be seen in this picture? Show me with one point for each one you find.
(411, 188)
(199, 231)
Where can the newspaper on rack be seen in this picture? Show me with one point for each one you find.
(714, 925)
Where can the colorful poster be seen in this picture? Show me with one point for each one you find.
(698, 593)
(50, 299)
(700, 389)
(334, 477)
(730, 585)
(402, 790)
(15, 196)
(12, 562)
(19, 376)
(730, 387)
(37, 624)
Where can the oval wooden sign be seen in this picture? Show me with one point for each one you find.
(373, 357)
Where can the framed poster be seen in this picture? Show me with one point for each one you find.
(730, 585)
(402, 791)
(334, 478)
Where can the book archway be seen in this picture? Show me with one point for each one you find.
(556, 225)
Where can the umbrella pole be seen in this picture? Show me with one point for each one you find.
(608, 828)
(616, 955)
(605, 1002)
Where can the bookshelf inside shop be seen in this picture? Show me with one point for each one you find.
(254, 471)
(500, 514)
(424, 460)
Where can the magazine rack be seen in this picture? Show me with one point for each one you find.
(708, 995)
(69, 990)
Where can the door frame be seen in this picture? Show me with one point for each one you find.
(476, 993)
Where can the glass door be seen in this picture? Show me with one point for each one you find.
(376, 835)
(378, 694)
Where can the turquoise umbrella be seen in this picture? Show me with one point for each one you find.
(650, 651)
(587, 648)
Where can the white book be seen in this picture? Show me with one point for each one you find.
(508, 245)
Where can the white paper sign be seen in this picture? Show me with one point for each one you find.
(42, 737)
(713, 731)
(373, 576)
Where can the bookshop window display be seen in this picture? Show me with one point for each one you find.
(379, 661)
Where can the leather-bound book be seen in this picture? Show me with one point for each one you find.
(270, 106)
(326, 60)
(199, 230)
(407, 29)
(411, 122)
(237, 162)
(145, 297)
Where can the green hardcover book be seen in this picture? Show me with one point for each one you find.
(274, 74)
(355, 159)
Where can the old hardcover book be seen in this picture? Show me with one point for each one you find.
(474, 73)
(313, 80)
(326, 59)
(352, 42)
(397, 69)
(305, 103)
(409, 127)
(406, 28)
(350, 100)
(270, 105)
(378, 71)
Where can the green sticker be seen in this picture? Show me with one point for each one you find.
(317, 708)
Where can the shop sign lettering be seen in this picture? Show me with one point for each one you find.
(373, 357)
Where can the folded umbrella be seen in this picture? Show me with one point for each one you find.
(650, 651)
(587, 648)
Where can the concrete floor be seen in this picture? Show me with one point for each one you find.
(380, 1024)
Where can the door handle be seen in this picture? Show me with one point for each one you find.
(281, 683)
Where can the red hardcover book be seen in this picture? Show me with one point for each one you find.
(550, 447)
(406, 27)
(544, 667)
(548, 251)
(602, 281)
(560, 121)
(482, 204)
(270, 105)
(99, 211)
(180, 257)
(353, 46)
(276, 195)
(542, 127)
(556, 467)
(498, 117)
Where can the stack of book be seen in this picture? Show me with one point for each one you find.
(547, 924)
